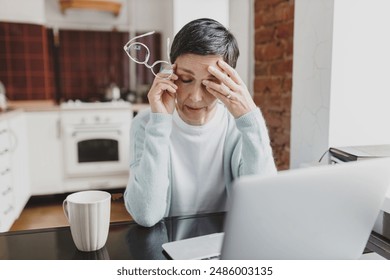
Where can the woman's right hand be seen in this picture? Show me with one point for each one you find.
(162, 94)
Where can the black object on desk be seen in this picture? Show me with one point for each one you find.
(126, 240)
(353, 153)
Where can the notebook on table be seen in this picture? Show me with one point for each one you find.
(321, 212)
(352, 153)
(205, 247)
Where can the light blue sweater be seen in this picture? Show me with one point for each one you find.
(147, 197)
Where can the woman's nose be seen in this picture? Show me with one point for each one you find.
(197, 94)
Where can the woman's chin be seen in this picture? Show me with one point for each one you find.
(194, 116)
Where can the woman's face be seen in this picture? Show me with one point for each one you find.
(195, 105)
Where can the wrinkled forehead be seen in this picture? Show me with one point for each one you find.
(196, 65)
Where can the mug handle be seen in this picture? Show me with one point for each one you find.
(65, 208)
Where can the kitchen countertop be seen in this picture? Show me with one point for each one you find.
(34, 105)
(9, 113)
(50, 105)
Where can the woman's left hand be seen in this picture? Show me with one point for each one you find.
(231, 90)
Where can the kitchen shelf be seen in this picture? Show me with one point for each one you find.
(101, 5)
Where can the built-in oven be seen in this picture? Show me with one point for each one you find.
(95, 139)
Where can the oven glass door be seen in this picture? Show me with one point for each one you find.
(96, 151)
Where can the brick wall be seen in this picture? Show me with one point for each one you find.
(274, 26)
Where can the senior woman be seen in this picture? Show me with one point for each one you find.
(201, 132)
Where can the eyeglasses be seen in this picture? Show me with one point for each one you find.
(140, 53)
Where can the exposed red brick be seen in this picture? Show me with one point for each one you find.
(285, 30)
(272, 122)
(274, 28)
(287, 83)
(261, 101)
(284, 11)
(282, 139)
(269, 51)
(289, 48)
(268, 85)
(264, 35)
(261, 69)
(281, 67)
(280, 13)
(259, 20)
(266, 4)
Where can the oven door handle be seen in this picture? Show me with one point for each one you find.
(96, 131)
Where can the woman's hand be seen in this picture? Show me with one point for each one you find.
(231, 90)
(162, 94)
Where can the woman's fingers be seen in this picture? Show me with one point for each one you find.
(223, 78)
(220, 90)
(162, 94)
(230, 89)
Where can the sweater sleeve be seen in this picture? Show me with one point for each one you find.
(146, 195)
(253, 153)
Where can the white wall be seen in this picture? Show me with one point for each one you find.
(341, 91)
(312, 65)
(360, 90)
(23, 11)
(187, 10)
(146, 15)
(241, 24)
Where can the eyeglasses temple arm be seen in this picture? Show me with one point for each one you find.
(137, 37)
(168, 50)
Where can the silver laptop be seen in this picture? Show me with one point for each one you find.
(322, 212)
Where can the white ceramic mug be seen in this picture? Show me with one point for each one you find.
(88, 213)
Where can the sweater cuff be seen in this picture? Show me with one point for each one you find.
(250, 119)
(160, 118)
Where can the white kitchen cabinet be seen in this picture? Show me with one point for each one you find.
(19, 161)
(6, 188)
(45, 152)
(14, 172)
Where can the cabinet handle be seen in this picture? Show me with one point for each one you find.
(14, 140)
(118, 131)
(10, 208)
(5, 171)
(7, 191)
(58, 126)
(4, 151)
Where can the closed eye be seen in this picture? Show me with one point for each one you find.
(186, 81)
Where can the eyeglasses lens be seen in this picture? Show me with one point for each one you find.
(162, 69)
(138, 52)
